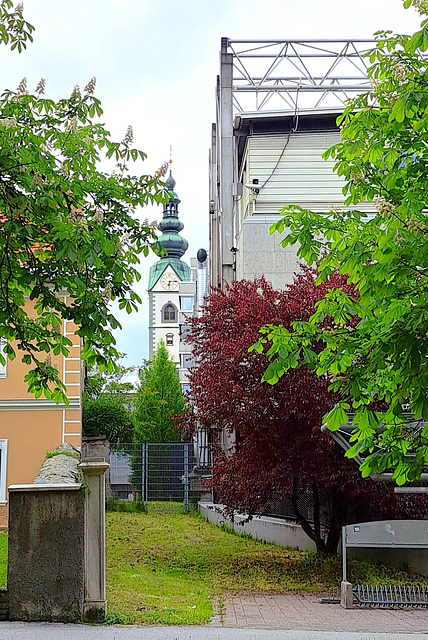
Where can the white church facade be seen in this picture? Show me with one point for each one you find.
(176, 291)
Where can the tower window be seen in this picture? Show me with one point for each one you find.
(169, 338)
(169, 313)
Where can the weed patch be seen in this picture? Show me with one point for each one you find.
(123, 506)
(3, 560)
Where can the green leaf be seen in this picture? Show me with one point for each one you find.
(336, 418)
(398, 111)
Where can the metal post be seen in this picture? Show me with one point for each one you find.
(146, 473)
(186, 476)
(344, 572)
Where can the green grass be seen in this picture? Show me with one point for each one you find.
(172, 568)
(3, 560)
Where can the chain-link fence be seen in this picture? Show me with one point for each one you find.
(282, 507)
(172, 475)
(161, 475)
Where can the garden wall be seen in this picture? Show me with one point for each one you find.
(276, 530)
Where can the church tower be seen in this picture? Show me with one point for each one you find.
(165, 278)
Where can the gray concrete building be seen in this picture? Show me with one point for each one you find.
(277, 105)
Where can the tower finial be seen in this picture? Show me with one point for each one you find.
(170, 183)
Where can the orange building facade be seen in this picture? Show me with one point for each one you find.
(30, 427)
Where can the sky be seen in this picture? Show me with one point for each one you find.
(156, 65)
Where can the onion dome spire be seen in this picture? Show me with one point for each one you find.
(170, 240)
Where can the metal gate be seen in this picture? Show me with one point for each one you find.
(161, 475)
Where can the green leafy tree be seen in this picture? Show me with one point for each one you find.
(373, 344)
(106, 416)
(159, 400)
(108, 406)
(14, 30)
(65, 225)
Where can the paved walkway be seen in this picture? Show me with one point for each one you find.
(253, 617)
(285, 611)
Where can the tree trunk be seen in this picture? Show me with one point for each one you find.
(310, 531)
(337, 520)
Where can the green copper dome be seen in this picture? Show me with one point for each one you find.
(171, 242)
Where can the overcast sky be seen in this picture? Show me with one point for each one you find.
(156, 65)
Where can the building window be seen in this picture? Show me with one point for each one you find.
(169, 338)
(3, 463)
(184, 331)
(186, 360)
(186, 303)
(169, 313)
(2, 366)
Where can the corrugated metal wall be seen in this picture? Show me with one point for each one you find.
(300, 176)
(289, 171)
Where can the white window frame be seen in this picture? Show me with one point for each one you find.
(3, 368)
(3, 471)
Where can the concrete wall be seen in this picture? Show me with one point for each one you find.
(276, 530)
(288, 534)
(46, 552)
(260, 253)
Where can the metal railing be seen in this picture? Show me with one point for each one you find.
(390, 596)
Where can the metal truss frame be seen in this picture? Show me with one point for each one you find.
(326, 71)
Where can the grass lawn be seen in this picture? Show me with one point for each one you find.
(3, 560)
(172, 568)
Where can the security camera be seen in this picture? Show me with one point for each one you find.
(254, 187)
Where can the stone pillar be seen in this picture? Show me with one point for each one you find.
(93, 470)
(46, 552)
(97, 447)
(346, 595)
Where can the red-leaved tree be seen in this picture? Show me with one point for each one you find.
(279, 448)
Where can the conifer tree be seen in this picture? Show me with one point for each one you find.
(159, 400)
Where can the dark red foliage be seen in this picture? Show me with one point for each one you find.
(280, 449)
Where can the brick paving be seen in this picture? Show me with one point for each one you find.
(289, 611)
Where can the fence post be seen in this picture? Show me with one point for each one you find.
(146, 472)
(95, 605)
(186, 477)
(143, 472)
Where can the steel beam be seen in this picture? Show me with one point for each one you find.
(226, 160)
